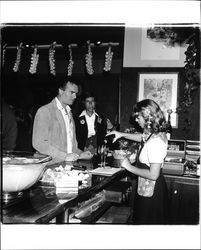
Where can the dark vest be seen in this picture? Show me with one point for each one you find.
(82, 130)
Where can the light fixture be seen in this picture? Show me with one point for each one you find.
(98, 43)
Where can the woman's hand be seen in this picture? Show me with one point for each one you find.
(116, 134)
(126, 164)
(132, 157)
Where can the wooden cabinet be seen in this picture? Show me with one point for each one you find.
(183, 200)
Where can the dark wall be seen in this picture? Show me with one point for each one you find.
(106, 89)
(27, 92)
(129, 94)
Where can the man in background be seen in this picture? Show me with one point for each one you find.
(91, 127)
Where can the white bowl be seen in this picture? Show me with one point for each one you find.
(18, 176)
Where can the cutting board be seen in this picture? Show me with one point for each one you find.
(106, 171)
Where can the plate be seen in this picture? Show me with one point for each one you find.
(64, 175)
(24, 158)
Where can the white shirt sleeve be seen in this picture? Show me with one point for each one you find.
(154, 151)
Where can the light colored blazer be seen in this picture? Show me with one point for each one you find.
(49, 133)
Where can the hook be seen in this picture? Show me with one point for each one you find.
(19, 46)
(4, 47)
(88, 44)
(53, 45)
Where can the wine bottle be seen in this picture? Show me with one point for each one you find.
(169, 131)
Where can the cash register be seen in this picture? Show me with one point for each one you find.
(175, 159)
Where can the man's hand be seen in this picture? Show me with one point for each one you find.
(86, 155)
(72, 157)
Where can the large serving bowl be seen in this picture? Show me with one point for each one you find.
(21, 170)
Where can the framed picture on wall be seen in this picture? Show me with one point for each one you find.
(162, 88)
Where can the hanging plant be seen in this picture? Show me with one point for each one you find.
(71, 62)
(192, 76)
(52, 59)
(190, 36)
(34, 61)
(88, 59)
(171, 36)
(192, 82)
(108, 59)
(18, 58)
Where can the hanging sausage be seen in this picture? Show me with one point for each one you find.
(18, 58)
(88, 58)
(34, 61)
(71, 62)
(52, 59)
(108, 59)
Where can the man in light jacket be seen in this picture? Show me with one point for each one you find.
(54, 128)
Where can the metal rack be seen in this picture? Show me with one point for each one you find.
(60, 46)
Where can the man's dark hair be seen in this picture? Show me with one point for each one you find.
(88, 94)
(62, 83)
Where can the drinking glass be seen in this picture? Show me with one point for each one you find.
(102, 151)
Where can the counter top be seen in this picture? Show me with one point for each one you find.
(186, 179)
(41, 204)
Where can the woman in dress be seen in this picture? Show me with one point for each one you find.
(151, 200)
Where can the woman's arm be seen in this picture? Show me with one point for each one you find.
(134, 137)
(152, 173)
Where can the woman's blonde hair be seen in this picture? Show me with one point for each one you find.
(154, 117)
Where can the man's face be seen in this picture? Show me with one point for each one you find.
(90, 104)
(69, 94)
